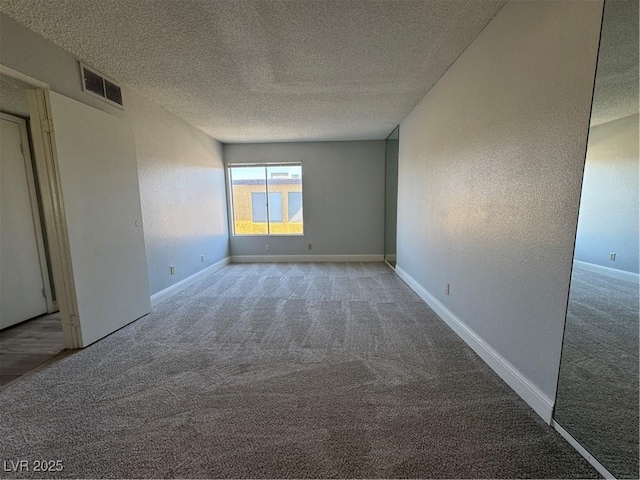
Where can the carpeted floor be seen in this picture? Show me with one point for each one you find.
(282, 371)
(598, 389)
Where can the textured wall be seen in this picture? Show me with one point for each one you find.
(181, 172)
(13, 98)
(608, 220)
(491, 164)
(182, 187)
(343, 197)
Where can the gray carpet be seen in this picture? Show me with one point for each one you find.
(282, 371)
(598, 389)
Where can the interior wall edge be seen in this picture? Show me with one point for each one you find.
(582, 451)
(610, 272)
(305, 258)
(167, 293)
(523, 386)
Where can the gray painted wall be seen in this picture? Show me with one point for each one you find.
(491, 164)
(608, 220)
(181, 172)
(343, 197)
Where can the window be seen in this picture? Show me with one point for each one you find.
(295, 206)
(259, 207)
(266, 199)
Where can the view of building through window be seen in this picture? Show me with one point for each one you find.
(266, 199)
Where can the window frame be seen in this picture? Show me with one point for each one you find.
(265, 165)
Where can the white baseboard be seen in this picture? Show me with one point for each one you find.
(305, 258)
(524, 387)
(176, 288)
(610, 272)
(391, 257)
(582, 451)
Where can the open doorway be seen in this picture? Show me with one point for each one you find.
(31, 332)
(87, 175)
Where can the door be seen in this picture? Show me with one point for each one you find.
(98, 173)
(21, 276)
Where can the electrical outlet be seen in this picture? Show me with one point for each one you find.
(267, 247)
(201, 258)
(446, 288)
(612, 257)
(309, 246)
(172, 269)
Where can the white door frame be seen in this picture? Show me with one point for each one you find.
(35, 209)
(46, 161)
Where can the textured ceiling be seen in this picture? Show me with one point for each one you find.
(616, 91)
(270, 70)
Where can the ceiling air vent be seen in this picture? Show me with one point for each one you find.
(97, 85)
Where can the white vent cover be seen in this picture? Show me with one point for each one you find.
(98, 85)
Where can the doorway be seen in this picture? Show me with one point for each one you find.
(30, 325)
(23, 264)
(87, 174)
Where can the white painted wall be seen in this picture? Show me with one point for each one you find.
(343, 197)
(180, 168)
(608, 220)
(490, 169)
